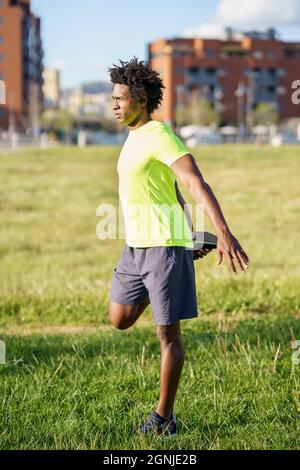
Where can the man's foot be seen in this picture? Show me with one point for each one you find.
(157, 425)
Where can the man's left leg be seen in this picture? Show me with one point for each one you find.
(172, 360)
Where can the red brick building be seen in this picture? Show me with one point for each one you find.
(260, 64)
(20, 66)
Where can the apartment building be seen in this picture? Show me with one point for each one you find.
(234, 74)
(21, 66)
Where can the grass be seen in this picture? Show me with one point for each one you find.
(61, 385)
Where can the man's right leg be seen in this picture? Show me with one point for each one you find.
(123, 316)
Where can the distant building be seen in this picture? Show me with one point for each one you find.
(51, 89)
(259, 65)
(21, 66)
(89, 99)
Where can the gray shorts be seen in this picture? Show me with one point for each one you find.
(164, 274)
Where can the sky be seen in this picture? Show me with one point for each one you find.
(83, 38)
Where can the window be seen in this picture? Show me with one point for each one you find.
(258, 55)
(209, 52)
(270, 54)
(1, 76)
(1, 20)
(221, 73)
(1, 39)
(291, 53)
(281, 72)
(1, 58)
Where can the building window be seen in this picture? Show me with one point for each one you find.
(270, 55)
(292, 53)
(258, 55)
(209, 52)
(1, 20)
(221, 73)
(1, 76)
(1, 58)
(281, 72)
(1, 39)
(1, 3)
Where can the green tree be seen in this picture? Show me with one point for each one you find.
(198, 111)
(264, 113)
(58, 120)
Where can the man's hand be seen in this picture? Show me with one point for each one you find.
(201, 253)
(229, 246)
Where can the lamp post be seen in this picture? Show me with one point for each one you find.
(240, 93)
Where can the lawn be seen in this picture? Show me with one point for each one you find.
(71, 381)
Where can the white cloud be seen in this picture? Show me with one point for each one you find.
(206, 30)
(257, 13)
(251, 14)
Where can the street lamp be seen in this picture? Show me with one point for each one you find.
(240, 92)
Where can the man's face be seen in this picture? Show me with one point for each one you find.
(125, 108)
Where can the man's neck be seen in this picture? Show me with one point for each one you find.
(139, 122)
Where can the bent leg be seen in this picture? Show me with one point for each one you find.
(123, 316)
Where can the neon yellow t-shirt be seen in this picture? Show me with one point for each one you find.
(151, 211)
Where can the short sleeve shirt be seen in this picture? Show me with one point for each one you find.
(151, 211)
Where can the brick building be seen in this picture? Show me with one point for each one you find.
(258, 64)
(21, 66)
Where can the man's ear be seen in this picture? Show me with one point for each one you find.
(144, 100)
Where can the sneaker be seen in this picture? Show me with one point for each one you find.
(158, 425)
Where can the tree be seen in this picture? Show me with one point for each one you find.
(198, 111)
(265, 113)
(58, 121)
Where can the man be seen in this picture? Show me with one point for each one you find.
(155, 266)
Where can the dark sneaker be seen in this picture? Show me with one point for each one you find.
(157, 425)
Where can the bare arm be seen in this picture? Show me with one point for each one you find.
(189, 175)
(200, 252)
(183, 205)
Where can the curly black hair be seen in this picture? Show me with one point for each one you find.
(141, 79)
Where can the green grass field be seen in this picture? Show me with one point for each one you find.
(71, 381)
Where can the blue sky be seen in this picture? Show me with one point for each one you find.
(83, 38)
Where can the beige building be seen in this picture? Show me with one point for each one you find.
(89, 99)
(51, 88)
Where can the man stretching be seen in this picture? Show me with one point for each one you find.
(155, 266)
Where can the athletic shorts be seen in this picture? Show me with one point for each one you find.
(164, 274)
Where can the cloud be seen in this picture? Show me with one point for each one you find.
(257, 13)
(206, 30)
(254, 14)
